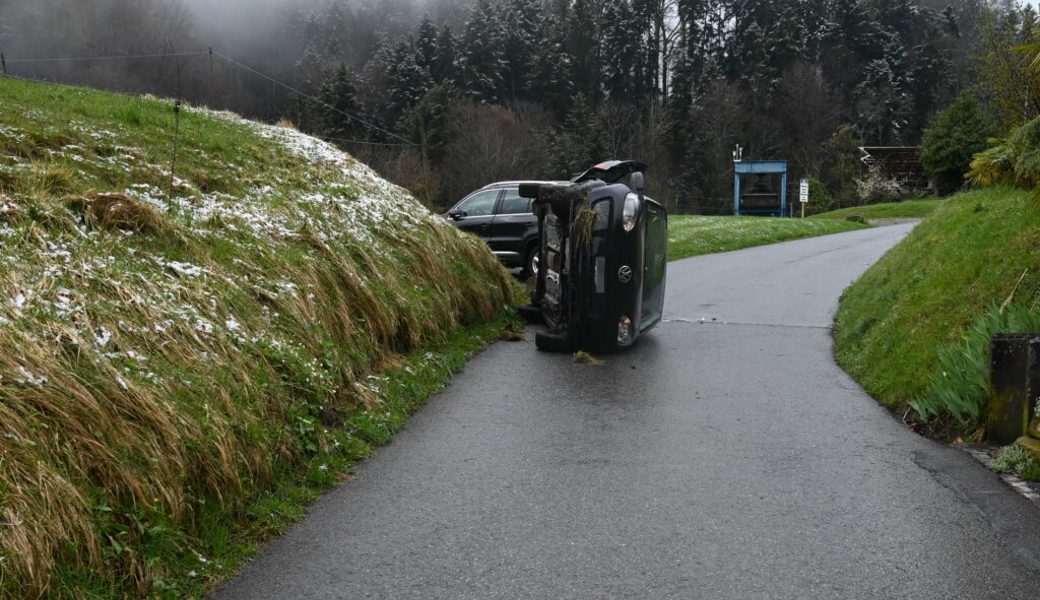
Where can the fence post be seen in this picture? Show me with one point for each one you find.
(1014, 385)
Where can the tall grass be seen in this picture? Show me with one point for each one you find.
(167, 360)
(959, 387)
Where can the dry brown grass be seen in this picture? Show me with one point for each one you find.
(130, 406)
(117, 211)
(89, 427)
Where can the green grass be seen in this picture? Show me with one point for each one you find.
(184, 364)
(906, 209)
(924, 299)
(691, 235)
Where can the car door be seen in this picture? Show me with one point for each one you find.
(514, 224)
(475, 213)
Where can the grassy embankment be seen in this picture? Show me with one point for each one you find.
(692, 235)
(180, 373)
(914, 329)
(906, 209)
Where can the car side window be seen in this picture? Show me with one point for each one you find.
(513, 204)
(480, 204)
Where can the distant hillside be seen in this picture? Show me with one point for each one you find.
(176, 353)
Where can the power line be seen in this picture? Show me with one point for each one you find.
(407, 142)
(365, 143)
(404, 142)
(104, 58)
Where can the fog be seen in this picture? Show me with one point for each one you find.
(271, 36)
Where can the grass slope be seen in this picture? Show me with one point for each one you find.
(181, 367)
(691, 235)
(967, 257)
(906, 209)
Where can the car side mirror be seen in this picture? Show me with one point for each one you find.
(638, 182)
(456, 214)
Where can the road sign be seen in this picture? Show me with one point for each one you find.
(803, 191)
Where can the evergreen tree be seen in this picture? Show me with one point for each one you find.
(579, 143)
(881, 105)
(482, 56)
(426, 45)
(445, 68)
(429, 120)
(521, 21)
(583, 29)
(550, 73)
(621, 39)
(342, 111)
(408, 83)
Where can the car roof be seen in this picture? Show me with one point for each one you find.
(498, 184)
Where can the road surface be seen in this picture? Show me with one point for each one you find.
(726, 457)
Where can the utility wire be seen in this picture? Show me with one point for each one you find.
(407, 142)
(363, 142)
(101, 58)
(404, 141)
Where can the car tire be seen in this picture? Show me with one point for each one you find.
(531, 260)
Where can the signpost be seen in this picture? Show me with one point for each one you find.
(803, 194)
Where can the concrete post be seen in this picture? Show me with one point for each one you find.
(1014, 385)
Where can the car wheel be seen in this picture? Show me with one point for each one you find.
(531, 262)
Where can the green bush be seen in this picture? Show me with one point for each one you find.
(956, 134)
(1016, 461)
(1012, 161)
(959, 388)
(819, 200)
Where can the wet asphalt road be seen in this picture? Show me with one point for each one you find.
(723, 458)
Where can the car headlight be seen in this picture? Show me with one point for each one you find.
(624, 331)
(628, 214)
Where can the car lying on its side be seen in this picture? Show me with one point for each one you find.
(603, 257)
(498, 214)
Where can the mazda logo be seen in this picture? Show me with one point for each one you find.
(624, 274)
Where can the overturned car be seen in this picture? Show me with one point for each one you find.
(603, 258)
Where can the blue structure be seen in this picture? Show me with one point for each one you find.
(761, 197)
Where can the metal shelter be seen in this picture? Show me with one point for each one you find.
(762, 197)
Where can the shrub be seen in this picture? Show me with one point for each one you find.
(959, 388)
(1010, 459)
(1016, 461)
(820, 200)
(956, 134)
(1011, 161)
(875, 188)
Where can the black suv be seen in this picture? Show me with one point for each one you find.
(603, 257)
(498, 214)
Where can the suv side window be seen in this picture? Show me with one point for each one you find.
(480, 204)
(513, 204)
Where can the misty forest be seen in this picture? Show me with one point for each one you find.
(445, 96)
